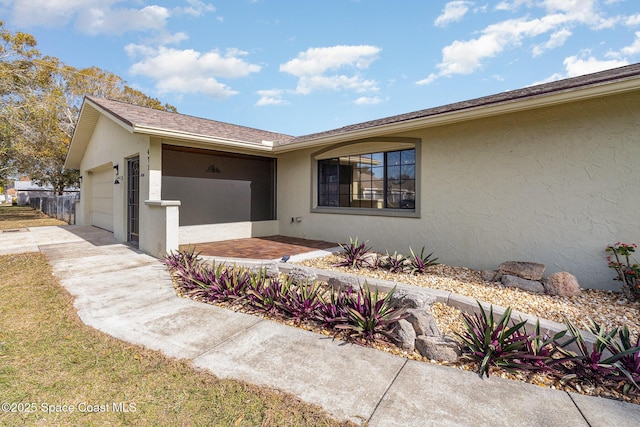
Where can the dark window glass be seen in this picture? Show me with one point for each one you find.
(408, 157)
(372, 180)
(328, 182)
(393, 158)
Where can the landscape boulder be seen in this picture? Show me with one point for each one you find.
(412, 299)
(423, 322)
(525, 270)
(524, 284)
(442, 348)
(371, 259)
(343, 282)
(562, 283)
(490, 275)
(300, 275)
(406, 335)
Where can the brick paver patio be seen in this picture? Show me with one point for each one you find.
(271, 247)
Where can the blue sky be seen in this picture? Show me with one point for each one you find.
(304, 66)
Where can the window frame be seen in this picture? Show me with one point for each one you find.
(363, 147)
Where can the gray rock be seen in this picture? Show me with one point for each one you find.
(525, 270)
(423, 322)
(371, 259)
(438, 348)
(300, 275)
(524, 284)
(490, 275)
(562, 283)
(271, 269)
(406, 335)
(343, 282)
(412, 299)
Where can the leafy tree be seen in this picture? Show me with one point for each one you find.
(102, 84)
(40, 101)
(17, 74)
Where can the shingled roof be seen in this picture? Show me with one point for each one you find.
(174, 125)
(589, 80)
(151, 119)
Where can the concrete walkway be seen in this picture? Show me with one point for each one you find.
(129, 295)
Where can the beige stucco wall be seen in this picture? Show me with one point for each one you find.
(235, 230)
(553, 185)
(110, 145)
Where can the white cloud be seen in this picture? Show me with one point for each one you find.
(189, 71)
(513, 5)
(467, 56)
(207, 85)
(196, 8)
(633, 20)
(634, 48)
(271, 97)
(134, 50)
(575, 66)
(52, 13)
(605, 23)
(581, 11)
(119, 21)
(308, 84)
(557, 39)
(99, 16)
(318, 60)
(464, 57)
(552, 78)
(317, 68)
(366, 100)
(165, 38)
(452, 12)
(430, 79)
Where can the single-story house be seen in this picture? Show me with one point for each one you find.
(548, 173)
(27, 189)
(11, 195)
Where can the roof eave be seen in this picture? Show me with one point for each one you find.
(88, 117)
(472, 113)
(91, 111)
(198, 138)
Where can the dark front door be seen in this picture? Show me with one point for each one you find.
(133, 197)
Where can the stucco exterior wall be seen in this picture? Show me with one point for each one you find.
(111, 145)
(228, 231)
(161, 233)
(552, 185)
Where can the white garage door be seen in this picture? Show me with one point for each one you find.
(102, 199)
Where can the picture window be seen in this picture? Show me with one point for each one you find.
(382, 180)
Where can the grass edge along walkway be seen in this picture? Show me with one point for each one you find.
(55, 370)
(12, 217)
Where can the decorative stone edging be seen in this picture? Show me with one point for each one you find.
(463, 303)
